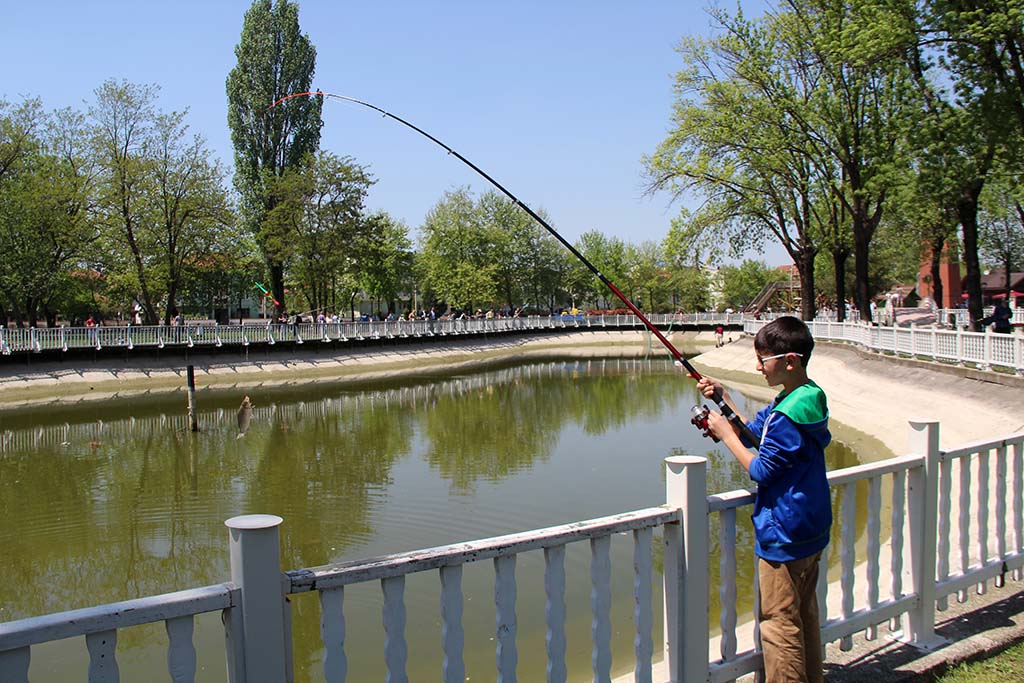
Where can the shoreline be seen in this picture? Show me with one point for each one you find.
(871, 397)
(58, 383)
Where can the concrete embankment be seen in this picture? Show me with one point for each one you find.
(34, 384)
(871, 397)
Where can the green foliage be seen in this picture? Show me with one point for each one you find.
(482, 252)
(161, 198)
(46, 179)
(1001, 227)
(608, 254)
(316, 226)
(386, 257)
(740, 284)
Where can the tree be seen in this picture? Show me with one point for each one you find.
(648, 275)
(385, 257)
(511, 232)
(542, 263)
(274, 60)
(45, 195)
(735, 142)
(1001, 229)
(316, 226)
(859, 113)
(608, 254)
(959, 54)
(161, 197)
(122, 119)
(456, 254)
(690, 289)
(740, 284)
(191, 204)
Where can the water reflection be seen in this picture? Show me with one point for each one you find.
(116, 501)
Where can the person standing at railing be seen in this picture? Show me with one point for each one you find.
(1000, 319)
(176, 324)
(793, 508)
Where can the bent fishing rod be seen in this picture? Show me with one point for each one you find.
(700, 416)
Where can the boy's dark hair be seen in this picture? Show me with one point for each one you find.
(785, 335)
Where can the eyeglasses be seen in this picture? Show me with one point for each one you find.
(765, 359)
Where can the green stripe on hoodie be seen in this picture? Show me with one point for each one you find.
(804, 405)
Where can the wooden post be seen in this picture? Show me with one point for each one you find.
(923, 509)
(193, 418)
(261, 628)
(686, 570)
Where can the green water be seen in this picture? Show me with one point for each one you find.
(114, 501)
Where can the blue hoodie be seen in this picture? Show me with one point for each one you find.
(793, 510)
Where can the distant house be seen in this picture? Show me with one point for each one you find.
(993, 287)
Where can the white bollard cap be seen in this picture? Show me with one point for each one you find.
(253, 522)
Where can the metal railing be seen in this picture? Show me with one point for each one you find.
(985, 350)
(210, 335)
(978, 485)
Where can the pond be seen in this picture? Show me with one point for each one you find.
(113, 501)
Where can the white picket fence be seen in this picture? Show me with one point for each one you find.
(984, 350)
(212, 335)
(956, 522)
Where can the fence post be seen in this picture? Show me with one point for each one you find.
(923, 506)
(1018, 353)
(686, 571)
(987, 364)
(261, 629)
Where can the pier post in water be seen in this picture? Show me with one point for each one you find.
(193, 418)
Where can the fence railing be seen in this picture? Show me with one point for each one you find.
(985, 350)
(961, 317)
(930, 500)
(208, 334)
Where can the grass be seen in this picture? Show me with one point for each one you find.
(1004, 667)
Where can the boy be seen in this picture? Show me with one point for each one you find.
(793, 509)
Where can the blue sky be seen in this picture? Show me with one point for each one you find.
(557, 100)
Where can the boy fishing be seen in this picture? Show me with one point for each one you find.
(793, 510)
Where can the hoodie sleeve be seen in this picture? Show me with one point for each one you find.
(780, 449)
(757, 424)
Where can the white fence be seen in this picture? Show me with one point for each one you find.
(212, 335)
(955, 522)
(961, 317)
(984, 350)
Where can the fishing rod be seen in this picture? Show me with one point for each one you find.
(700, 416)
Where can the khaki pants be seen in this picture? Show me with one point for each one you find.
(790, 634)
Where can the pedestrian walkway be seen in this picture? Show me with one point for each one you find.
(977, 629)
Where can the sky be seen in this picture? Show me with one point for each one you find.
(558, 101)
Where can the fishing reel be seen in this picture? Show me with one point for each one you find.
(700, 421)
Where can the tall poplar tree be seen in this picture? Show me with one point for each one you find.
(274, 60)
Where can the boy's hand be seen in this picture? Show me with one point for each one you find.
(719, 426)
(710, 388)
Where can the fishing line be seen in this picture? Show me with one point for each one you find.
(727, 411)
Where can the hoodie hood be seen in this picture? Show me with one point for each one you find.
(805, 405)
